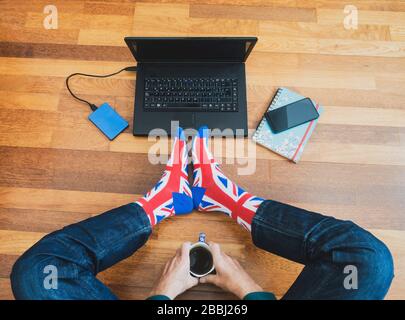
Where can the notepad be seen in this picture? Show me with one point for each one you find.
(290, 143)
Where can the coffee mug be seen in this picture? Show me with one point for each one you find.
(201, 260)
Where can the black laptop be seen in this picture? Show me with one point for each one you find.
(192, 81)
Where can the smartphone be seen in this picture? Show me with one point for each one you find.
(291, 115)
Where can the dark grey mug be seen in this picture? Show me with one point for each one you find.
(201, 260)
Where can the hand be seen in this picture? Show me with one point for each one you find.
(176, 277)
(230, 274)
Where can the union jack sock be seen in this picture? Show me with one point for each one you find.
(171, 195)
(213, 191)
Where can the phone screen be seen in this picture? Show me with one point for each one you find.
(291, 115)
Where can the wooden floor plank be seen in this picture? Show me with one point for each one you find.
(37, 220)
(33, 84)
(73, 21)
(397, 33)
(162, 9)
(38, 6)
(61, 68)
(34, 101)
(16, 242)
(353, 97)
(5, 289)
(82, 202)
(78, 170)
(289, 61)
(364, 116)
(63, 51)
(314, 30)
(328, 79)
(179, 26)
(39, 35)
(253, 12)
(108, 8)
(347, 47)
(326, 16)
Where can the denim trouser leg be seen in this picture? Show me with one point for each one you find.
(325, 246)
(78, 252)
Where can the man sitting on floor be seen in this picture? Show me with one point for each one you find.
(325, 245)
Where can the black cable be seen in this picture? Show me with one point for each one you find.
(92, 105)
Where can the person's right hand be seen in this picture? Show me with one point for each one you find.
(230, 274)
(176, 277)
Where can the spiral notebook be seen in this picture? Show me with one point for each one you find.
(289, 143)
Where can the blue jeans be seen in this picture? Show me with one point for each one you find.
(323, 244)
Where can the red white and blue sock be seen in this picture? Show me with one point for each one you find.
(171, 195)
(213, 191)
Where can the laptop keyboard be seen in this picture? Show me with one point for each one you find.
(191, 94)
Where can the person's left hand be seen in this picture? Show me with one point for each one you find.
(176, 277)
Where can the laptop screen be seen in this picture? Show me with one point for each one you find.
(190, 49)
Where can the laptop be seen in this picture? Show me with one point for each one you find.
(191, 81)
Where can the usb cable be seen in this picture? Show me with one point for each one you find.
(92, 105)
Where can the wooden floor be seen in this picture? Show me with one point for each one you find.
(56, 168)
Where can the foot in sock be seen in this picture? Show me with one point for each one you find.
(171, 195)
(213, 191)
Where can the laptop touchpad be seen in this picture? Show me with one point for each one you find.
(186, 119)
